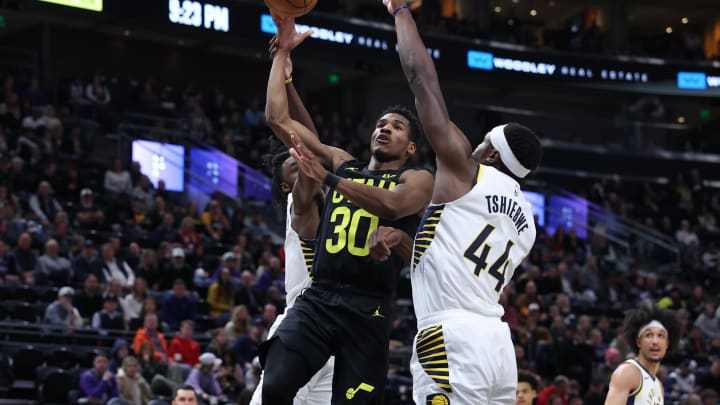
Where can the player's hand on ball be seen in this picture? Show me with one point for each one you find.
(393, 4)
(287, 36)
(381, 241)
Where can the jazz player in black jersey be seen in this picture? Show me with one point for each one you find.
(347, 312)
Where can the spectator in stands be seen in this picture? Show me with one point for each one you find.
(682, 379)
(203, 379)
(274, 275)
(685, 235)
(242, 254)
(708, 322)
(96, 91)
(24, 258)
(221, 296)
(143, 191)
(89, 216)
(98, 384)
(175, 269)
(74, 145)
(43, 204)
(117, 181)
(166, 231)
(709, 396)
(23, 178)
(672, 300)
(34, 94)
(239, 324)
(132, 386)
(148, 269)
(220, 343)
(178, 305)
(558, 388)
(51, 267)
(245, 347)
(109, 317)
(596, 392)
(51, 121)
(526, 389)
(8, 274)
(90, 299)
(132, 303)
(247, 294)
(183, 348)
(215, 221)
(268, 315)
(711, 377)
(33, 121)
(120, 350)
(62, 313)
(187, 235)
(150, 366)
(150, 333)
(254, 113)
(87, 262)
(115, 268)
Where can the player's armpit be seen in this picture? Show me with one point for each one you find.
(624, 380)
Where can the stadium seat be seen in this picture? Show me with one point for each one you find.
(62, 357)
(24, 361)
(22, 311)
(24, 293)
(54, 389)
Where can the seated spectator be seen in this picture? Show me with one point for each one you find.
(682, 379)
(220, 343)
(25, 258)
(257, 226)
(87, 262)
(215, 221)
(34, 95)
(174, 269)
(148, 268)
(246, 347)
(221, 295)
(178, 305)
(187, 235)
(90, 299)
(239, 324)
(8, 273)
(685, 235)
(166, 231)
(559, 389)
(708, 322)
(117, 181)
(62, 313)
(98, 384)
(74, 145)
(228, 261)
(96, 92)
(150, 333)
(183, 348)
(43, 204)
(51, 267)
(88, 216)
(120, 350)
(143, 191)
(202, 378)
(115, 268)
(132, 303)
(273, 275)
(109, 317)
(150, 366)
(267, 318)
(247, 294)
(711, 376)
(132, 387)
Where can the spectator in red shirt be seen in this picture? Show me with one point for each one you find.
(559, 387)
(183, 348)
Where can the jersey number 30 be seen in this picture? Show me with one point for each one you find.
(497, 269)
(351, 230)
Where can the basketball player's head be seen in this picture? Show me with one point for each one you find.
(511, 148)
(652, 332)
(526, 389)
(283, 169)
(396, 133)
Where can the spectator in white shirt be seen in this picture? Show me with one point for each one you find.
(133, 302)
(116, 269)
(685, 235)
(97, 93)
(117, 180)
(52, 267)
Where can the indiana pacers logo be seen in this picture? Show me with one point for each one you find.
(437, 399)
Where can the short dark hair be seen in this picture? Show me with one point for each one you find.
(273, 162)
(637, 318)
(184, 387)
(415, 133)
(525, 145)
(528, 378)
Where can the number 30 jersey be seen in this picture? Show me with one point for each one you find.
(342, 247)
(467, 250)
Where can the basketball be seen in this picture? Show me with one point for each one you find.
(290, 8)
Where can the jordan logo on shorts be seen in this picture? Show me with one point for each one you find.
(437, 399)
(350, 393)
(377, 313)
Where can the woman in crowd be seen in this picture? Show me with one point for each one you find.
(221, 295)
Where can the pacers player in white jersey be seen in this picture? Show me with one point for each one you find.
(652, 333)
(476, 231)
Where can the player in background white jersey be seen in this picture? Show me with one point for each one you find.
(652, 333)
(302, 199)
(476, 231)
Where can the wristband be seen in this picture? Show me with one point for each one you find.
(331, 180)
(288, 80)
(397, 10)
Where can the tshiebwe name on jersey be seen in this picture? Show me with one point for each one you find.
(508, 206)
(337, 197)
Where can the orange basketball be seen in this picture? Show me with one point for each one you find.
(290, 8)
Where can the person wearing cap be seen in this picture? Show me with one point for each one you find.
(652, 333)
(176, 268)
(230, 261)
(120, 350)
(87, 262)
(61, 312)
(202, 378)
(109, 317)
(88, 214)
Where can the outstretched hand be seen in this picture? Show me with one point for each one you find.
(393, 4)
(382, 240)
(306, 160)
(287, 36)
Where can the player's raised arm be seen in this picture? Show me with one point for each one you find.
(452, 148)
(410, 196)
(277, 110)
(624, 380)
